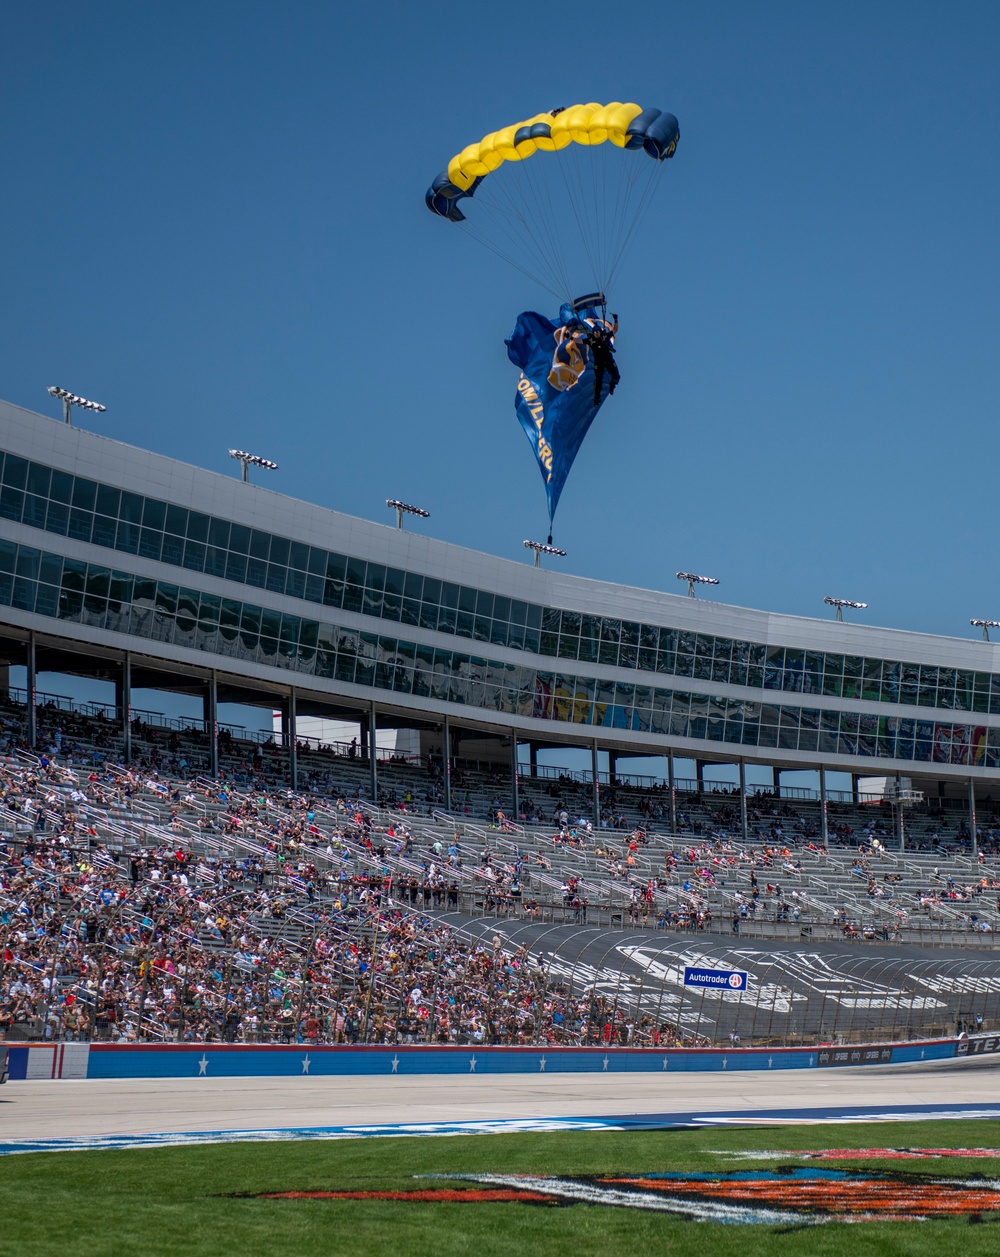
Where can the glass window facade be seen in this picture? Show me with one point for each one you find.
(71, 506)
(103, 597)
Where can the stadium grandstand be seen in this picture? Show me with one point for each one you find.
(431, 871)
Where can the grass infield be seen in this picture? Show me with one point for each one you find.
(207, 1200)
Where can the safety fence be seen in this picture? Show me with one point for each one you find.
(212, 1060)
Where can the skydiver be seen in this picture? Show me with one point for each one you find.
(602, 350)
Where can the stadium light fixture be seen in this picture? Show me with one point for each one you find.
(251, 460)
(841, 603)
(985, 625)
(69, 400)
(541, 548)
(693, 580)
(403, 508)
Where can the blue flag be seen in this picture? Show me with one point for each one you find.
(558, 395)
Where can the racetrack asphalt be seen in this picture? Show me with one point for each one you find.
(78, 1112)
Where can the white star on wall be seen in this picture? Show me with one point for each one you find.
(203, 1064)
(395, 1064)
(472, 1064)
(305, 1064)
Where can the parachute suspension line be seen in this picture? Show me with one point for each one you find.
(525, 260)
(540, 214)
(645, 200)
(543, 186)
(618, 217)
(569, 169)
(546, 219)
(534, 234)
(518, 229)
(524, 230)
(624, 212)
(526, 237)
(480, 238)
(601, 169)
(586, 177)
(593, 221)
(536, 261)
(600, 173)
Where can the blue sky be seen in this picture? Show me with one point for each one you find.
(213, 222)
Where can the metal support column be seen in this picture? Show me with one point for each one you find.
(972, 818)
(776, 779)
(31, 685)
(673, 792)
(124, 704)
(699, 772)
(744, 828)
(446, 763)
(823, 822)
(595, 784)
(289, 723)
(516, 813)
(373, 750)
(211, 711)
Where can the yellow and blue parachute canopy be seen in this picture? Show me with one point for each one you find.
(627, 126)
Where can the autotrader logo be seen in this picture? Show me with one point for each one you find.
(720, 980)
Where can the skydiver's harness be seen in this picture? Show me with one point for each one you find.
(602, 352)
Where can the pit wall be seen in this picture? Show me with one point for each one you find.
(226, 1060)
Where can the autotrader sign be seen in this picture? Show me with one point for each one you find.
(716, 979)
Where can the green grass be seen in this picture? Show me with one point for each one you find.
(189, 1200)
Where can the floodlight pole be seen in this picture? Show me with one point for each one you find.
(245, 459)
(693, 579)
(541, 548)
(840, 603)
(69, 400)
(985, 625)
(404, 508)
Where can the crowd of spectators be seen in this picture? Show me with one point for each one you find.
(300, 933)
(146, 901)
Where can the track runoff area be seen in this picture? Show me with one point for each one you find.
(64, 1114)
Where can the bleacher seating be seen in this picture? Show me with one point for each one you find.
(145, 899)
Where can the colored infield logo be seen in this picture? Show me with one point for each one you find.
(792, 1195)
(860, 1154)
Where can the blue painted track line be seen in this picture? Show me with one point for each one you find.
(502, 1126)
